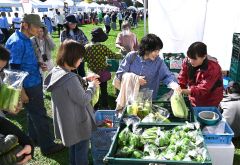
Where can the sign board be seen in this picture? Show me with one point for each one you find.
(6, 9)
(42, 9)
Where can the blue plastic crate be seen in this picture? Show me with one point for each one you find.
(200, 109)
(102, 138)
(225, 138)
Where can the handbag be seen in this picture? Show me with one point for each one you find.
(105, 75)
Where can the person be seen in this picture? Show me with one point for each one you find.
(96, 54)
(126, 40)
(134, 18)
(48, 23)
(71, 31)
(43, 44)
(230, 105)
(4, 26)
(107, 22)
(16, 22)
(100, 16)
(200, 77)
(120, 19)
(114, 20)
(59, 21)
(73, 115)
(6, 127)
(23, 58)
(147, 64)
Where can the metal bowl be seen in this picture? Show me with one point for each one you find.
(208, 117)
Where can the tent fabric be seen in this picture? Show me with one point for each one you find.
(179, 23)
(39, 4)
(10, 3)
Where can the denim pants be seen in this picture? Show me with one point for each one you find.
(38, 121)
(78, 153)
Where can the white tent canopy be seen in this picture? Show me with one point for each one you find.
(179, 23)
(39, 4)
(10, 3)
(55, 3)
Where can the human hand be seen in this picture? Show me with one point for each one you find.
(142, 81)
(96, 82)
(43, 66)
(123, 49)
(24, 97)
(186, 91)
(92, 76)
(17, 108)
(25, 151)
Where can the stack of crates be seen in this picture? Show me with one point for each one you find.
(102, 138)
(234, 73)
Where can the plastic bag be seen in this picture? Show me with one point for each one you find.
(11, 88)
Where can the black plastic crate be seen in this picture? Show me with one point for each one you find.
(236, 39)
(174, 58)
(234, 73)
(236, 52)
(111, 159)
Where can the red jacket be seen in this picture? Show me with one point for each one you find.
(206, 87)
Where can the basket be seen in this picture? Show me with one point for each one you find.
(102, 138)
(110, 158)
(225, 138)
(113, 64)
(174, 61)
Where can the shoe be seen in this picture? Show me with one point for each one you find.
(54, 149)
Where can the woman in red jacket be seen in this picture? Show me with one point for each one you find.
(201, 77)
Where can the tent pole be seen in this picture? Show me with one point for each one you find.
(145, 15)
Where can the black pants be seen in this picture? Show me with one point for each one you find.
(120, 24)
(108, 28)
(104, 95)
(60, 27)
(5, 33)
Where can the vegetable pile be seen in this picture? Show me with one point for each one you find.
(181, 143)
(9, 147)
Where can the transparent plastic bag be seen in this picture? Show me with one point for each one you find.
(11, 88)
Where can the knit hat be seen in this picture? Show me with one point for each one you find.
(33, 19)
(70, 19)
(98, 35)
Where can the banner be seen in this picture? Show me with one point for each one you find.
(6, 9)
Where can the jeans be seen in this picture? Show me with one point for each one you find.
(78, 153)
(38, 121)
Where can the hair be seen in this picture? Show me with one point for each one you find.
(70, 52)
(126, 24)
(75, 30)
(149, 43)
(197, 49)
(3, 14)
(233, 88)
(4, 54)
(16, 14)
